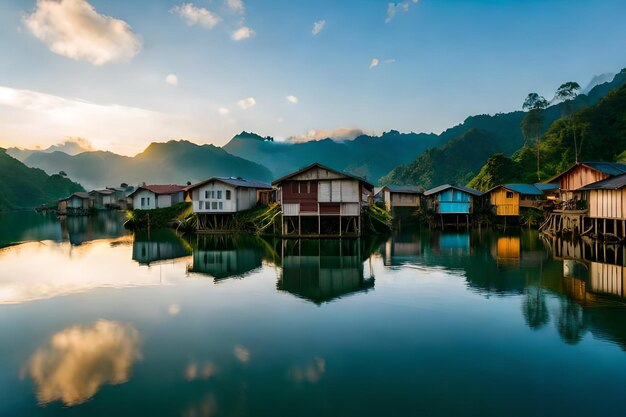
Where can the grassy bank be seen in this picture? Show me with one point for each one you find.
(179, 216)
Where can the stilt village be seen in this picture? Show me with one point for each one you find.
(588, 200)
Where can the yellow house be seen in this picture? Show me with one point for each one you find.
(510, 199)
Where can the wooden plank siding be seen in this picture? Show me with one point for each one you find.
(607, 204)
(506, 202)
(607, 279)
(580, 176)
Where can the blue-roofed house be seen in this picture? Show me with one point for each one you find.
(512, 199)
(453, 199)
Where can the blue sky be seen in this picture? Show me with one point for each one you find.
(439, 61)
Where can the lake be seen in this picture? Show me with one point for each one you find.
(95, 321)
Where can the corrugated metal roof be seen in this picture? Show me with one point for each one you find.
(444, 187)
(609, 168)
(547, 187)
(613, 183)
(405, 189)
(235, 182)
(526, 189)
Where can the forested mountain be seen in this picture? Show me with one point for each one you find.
(164, 163)
(367, 156)
(468, 146)
(600, 134)
(24, 187)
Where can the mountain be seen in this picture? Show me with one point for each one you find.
(468, 146)
(367, 156)
(165, 163)
(597, 80)
(601, 128)
(24, 187)
(72, 146)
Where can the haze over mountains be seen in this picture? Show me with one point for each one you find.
(455, 156)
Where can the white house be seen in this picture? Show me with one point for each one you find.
(149, 197)
(225, 195)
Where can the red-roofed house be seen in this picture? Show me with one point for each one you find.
(149, 197)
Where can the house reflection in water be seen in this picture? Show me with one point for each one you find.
(453, 243)
(157, 246)
(401, 249)
(323, 270)
(81, 229)
(225, 256)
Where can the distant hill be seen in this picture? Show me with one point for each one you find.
(602, 129)
(171, 162)
(468, 146)
(367, 156)
(72, 146)
(24, 187)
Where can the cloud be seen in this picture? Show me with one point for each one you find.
(78, 360)
(74, 29)
(171, 79)
(393, 8)
(223, 111)
(235, 5)
(242, 354)
(246, 103)
(193, 15)
(173, 309)
(37, 117)
(242, 33)
(318, 26)
(376, 62)
(292, 99)
(339, 134)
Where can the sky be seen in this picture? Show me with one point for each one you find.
(122, 74)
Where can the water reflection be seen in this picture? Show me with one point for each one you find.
(79, 360)
(322, 270)
(158, 245)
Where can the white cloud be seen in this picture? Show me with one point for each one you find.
(292, 99)
(393, 8)
(193, 15)
(242, 33)
(171, 79)
(223, 111)
(74, 29)
(246, 103)
(242, 354)
(38, 118)
(339, 134)
(376, 62)
(318, 26)
(173, 309)
(235, 5)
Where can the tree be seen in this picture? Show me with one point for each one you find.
(566, 93)
(63, 173)
(532, 123)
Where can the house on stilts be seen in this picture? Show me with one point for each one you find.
(454, 204)
(216, 200)
(320, 201)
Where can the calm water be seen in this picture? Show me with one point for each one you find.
(95, 322)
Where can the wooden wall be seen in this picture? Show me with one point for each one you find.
(580, 176)
(607, 204)
(505, 206)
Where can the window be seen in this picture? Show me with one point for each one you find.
(221, 205)
(214, 205)
(219, 194)
(143, 202)
(206, 194)
(213, 194)
(509, 194)
(227, 194)
(201, 205)
(148, 201)
(308, 187)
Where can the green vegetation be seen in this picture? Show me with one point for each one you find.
(375, 220)
(259, 220)
(597, 133)
(23, 187)
(160, 218)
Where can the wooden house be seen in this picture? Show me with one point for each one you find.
(512, 199)
(395, 196)
(606, 202)
(321, 201)
(215, 200)
(103, 198)
(77, 204)
(453, 202)
(581, 174)
(149, 197)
